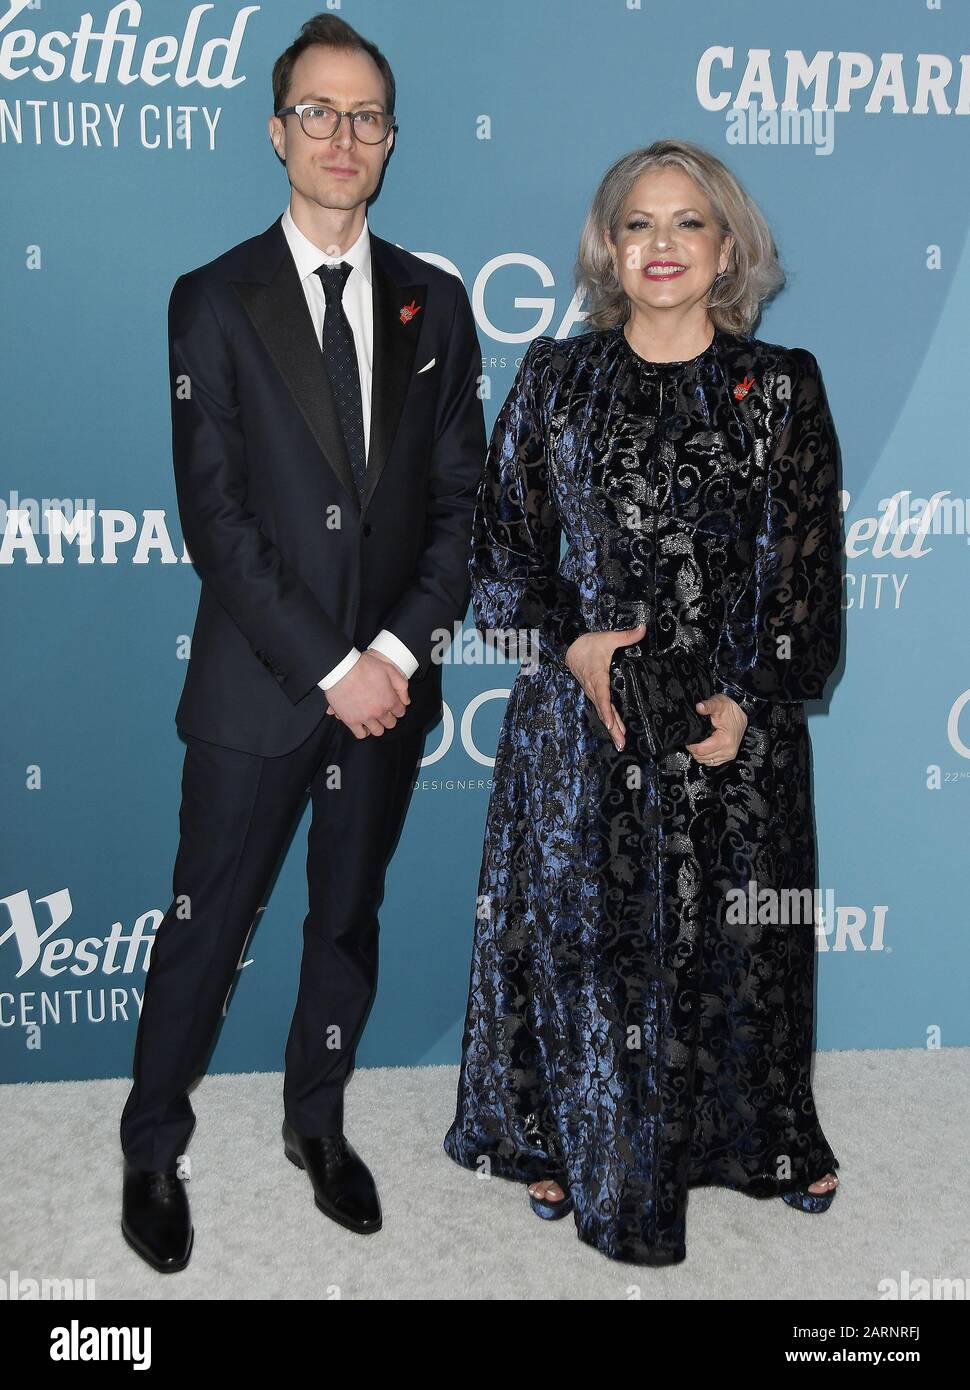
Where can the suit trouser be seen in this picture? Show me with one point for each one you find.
(237, 813)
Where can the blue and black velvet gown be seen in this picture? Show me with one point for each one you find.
(637, 1026)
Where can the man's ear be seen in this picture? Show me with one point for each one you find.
(277, 135)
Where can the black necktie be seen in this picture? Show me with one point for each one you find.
(340, 360)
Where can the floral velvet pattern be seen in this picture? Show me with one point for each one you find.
(633, 1027)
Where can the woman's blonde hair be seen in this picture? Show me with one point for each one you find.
(753, 273)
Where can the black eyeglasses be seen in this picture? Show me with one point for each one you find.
(322, 122)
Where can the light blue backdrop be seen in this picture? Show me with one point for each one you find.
(509, 112)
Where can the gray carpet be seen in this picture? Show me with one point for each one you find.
(898, 1121)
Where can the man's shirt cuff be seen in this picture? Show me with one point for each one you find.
(392, 647)
(340, 669)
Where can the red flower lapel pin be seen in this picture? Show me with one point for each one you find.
(743, 387)
(408, 311)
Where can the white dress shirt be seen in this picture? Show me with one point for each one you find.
(358, 303)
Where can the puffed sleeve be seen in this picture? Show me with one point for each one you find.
(783, 634)
(515, 579)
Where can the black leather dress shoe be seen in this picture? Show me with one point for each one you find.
(155, 1219)
(342, 1184)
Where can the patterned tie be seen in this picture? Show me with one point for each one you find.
(340, 360)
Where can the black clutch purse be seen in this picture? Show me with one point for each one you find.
(655, 693)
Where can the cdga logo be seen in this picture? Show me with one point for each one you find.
(953, 724)
(465, 729)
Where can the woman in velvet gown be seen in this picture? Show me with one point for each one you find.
(626, 1033)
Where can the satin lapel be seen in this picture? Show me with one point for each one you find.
(395, 345)
(281, 317)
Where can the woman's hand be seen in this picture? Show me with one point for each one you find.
(730, 722)
(589, 660)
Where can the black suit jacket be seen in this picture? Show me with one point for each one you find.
(295, 570)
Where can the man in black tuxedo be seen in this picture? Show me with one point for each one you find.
(328, 440)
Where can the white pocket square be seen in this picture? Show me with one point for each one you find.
(426, 366)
